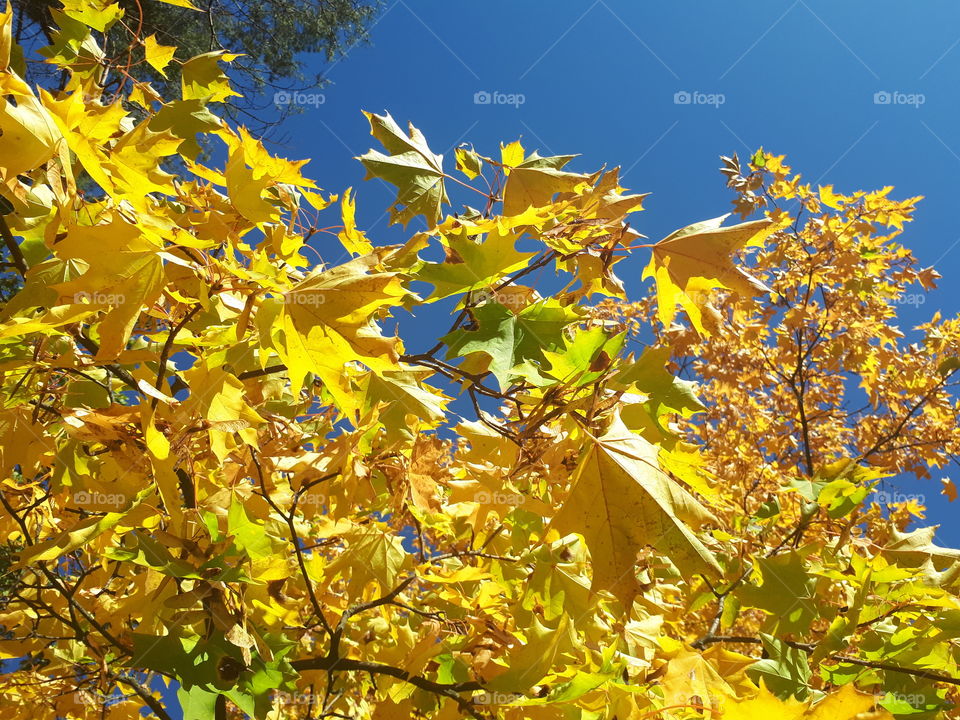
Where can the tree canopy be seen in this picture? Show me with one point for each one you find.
(224, 470)
(138, 38)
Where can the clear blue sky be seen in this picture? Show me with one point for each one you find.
(599, 78)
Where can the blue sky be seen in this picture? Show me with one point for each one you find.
(856, 94)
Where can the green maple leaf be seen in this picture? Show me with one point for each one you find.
(398, 395)
(410, 165)
(667, 393)
(785, 671)
(197, 703)
(788, 593)
(472, 265)
(510, 339)
(581, 361)
(185, 119)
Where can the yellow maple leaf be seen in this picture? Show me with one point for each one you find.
(6, 36)
(157, 56)
(622, 501)
(328, 322)
(203, 78)
(28, 135)
(353, 240)
(511, 155)
(844, 704)
(691, 263)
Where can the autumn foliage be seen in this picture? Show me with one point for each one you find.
(227, 473)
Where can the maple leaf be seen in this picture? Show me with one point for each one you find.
(202, 78)
(689, 264)
(402, 402)
(468, 162)
(507, 339)
(534, 182)
(531, 660)
(381, 557)
(185, 119)
(411, 166)
(353, 240)
(28, 134)
(124, 273)
(328, 322)
(251, 171)
(427, 456)
(584, 358)
(788, 593)
(916, 547)
(218, 396)
(98, 15)
(471, 264)
(949, 489)
(845, 704)
(622, 501)
(157, 56)
(690, 675)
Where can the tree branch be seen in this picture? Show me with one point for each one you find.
(144, 695)
(18, 260)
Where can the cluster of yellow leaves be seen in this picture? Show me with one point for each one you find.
(818, 412)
